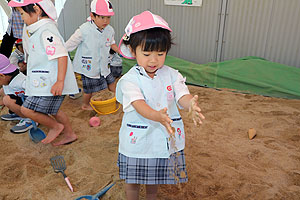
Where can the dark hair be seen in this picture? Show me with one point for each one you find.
(29, 9)
(13, 74)
(95, 15)
(154, 39)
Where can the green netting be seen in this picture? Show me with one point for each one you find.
(249, 75)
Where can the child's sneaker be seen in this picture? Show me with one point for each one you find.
(11, 117)
(23, 126)
(76, 96)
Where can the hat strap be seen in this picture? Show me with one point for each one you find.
(4, 68)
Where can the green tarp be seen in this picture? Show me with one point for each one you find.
(248, 75)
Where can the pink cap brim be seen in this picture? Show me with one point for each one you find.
(49, 9)
(16, 4)
(9, 69)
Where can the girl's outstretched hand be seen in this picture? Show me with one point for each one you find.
(165, 120)
(195, 111)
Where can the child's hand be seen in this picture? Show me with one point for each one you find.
(165, 120)
(195, 111)
(57, 88)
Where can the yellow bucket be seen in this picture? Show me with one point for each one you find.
(105, 107)
(78, 76)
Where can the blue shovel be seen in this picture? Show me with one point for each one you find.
(99, 194)
(36, 134)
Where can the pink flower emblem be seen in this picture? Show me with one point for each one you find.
(50, 50)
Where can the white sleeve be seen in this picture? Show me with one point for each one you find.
(113, 40)
(131, 93)
(74, 40)
(13, 58)
(180, 88)
(53, 45)
(25, 39)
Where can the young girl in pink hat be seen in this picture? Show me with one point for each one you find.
(93, 40)
(151, 137)
(50, 74)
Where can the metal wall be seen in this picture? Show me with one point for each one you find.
(268, 29)
(219, 30)
(72, 16)
(195, 29)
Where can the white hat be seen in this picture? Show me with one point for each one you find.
(145, 20)
(102, 7)
(46, 5)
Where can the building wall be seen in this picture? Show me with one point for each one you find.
(268, 28)
(219, 30)
(72, 16)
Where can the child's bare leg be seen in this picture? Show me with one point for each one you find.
(151, 192)
(2, 94)
(55, 128)
(68, 133)
(112, 86)
(132, 191)
(11, 104)
(1, 97)
(86, 102)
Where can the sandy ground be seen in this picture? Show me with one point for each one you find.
(222, 163)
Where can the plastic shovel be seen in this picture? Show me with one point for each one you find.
(99, 194)
(59, 165)
(36, 134)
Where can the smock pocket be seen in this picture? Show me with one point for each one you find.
(86, 63)
(40, 80)
(136, 137)
(177, 140)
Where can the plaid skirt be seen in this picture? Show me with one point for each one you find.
(45, 104)
(151, 171)
(91, 85)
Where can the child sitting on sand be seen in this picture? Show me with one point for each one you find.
(13, 86)
(17, 56)
(152, 137)
(50, 74)
(94, 39)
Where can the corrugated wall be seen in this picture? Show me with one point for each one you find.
(264, 28)
(219, 30)
(72, 16)
(195, 29)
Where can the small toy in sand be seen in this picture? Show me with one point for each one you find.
(104, 102)
(94, 121)
(251, 133)
(59, 165)
(99, 194)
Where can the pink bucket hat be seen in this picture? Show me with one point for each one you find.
(145, 20)
(5, 66)
(102, 7)
(46, 5)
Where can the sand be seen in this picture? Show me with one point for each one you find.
(222, 162)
